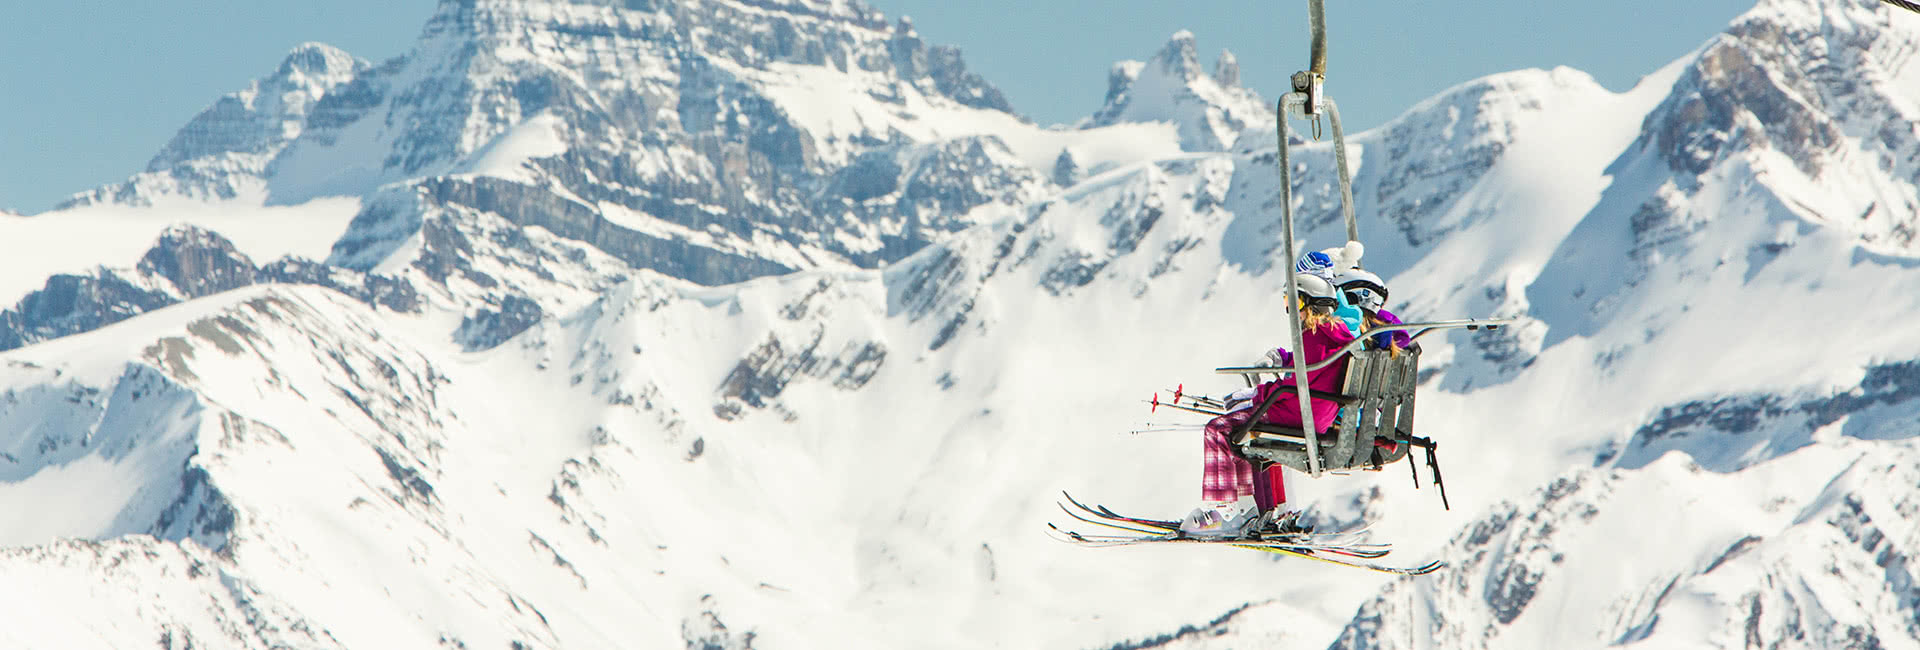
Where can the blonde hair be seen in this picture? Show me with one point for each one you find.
(1312, 318)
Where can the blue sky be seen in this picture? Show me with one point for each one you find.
(90, 89)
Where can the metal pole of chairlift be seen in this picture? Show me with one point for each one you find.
(1293, 294)
(1307, 95)
(1340, 161)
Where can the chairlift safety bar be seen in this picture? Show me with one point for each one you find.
(1424, 328)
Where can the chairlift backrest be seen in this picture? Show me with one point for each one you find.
(1376, 404)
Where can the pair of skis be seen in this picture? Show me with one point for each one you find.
(1342, 548)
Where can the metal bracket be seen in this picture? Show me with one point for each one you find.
(1311, 85)
(1433, 463)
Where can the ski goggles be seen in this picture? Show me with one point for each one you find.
(1328, 302)
(1366, 295)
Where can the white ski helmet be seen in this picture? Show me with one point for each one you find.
(1315, 290)
(1364, 289)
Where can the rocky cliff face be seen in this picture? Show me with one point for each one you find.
(715, 141)
(1828, 152)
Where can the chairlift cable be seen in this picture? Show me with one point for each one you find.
(1317, 17)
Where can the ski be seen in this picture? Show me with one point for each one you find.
(1144, 535)
(1348, 534)
(1148, 531)
(1323, 555)
(1165, 526)
(1108, 541)
(1321, 547)
(1421, 570)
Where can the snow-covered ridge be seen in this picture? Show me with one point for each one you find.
(184, 263)
(79, 240)
(202, 602)
(275, 377)
(1820, 556)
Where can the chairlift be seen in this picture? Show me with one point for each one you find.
(1376, 423)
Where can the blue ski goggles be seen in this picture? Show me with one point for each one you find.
(1366, 295)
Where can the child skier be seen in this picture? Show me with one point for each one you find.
(1231, 497)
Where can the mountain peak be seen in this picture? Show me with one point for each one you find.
(1226, 69)
(1178, 57)
(1818, 9)
(1210, 110)
(225, 150)
(850, 10)
(1770, 94)
(315, 59)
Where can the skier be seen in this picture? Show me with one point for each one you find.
(1361, 306)
(1328, 265)
(1232, 497)
(1368, 293)
(1339, 266)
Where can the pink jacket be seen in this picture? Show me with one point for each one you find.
(1320, 342)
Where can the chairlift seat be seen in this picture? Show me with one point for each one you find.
(1377, 398)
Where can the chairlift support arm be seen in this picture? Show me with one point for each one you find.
(1424, 329)
(1306, 96)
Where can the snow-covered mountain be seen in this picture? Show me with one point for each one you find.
(730, 324)
(715, 141)
(1211, 109)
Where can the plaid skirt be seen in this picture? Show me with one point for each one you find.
(1226, 476)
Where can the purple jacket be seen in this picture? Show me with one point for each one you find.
(1399, 337)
